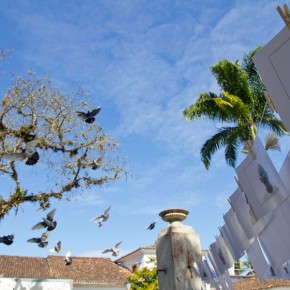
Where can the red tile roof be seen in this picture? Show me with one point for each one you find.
(254, 284)
(24, 267)
(83, 270)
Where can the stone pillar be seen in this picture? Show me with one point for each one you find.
(177, 248)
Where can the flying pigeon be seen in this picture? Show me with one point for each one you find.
(7, 240)
(114, 250)
(57, 248)
(44, 205)
(151, 226)
(47, 222)
(40, 241)
(95, 164)
(29, 154)
(68, 258)
(103, 217)
(89, 117)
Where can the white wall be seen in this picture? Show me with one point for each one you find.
(49, 284)
(99, 288)
(145, 262)
(141, 261)
(35, 284)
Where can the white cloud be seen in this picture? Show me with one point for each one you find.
(145, 63)
(243, 28)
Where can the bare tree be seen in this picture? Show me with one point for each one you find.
(73, 155)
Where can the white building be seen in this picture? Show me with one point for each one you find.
(140, 258)
(35, 284)
(51, 273)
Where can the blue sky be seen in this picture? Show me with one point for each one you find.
(143, 62)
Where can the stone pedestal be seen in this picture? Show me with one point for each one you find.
(177, 248)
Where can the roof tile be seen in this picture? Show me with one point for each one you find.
(254, 284)
(83, 270)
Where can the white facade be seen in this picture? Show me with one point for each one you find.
(97, 287)
(35, 284)
(50, 284)
(142, 257)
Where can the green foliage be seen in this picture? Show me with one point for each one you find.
(238, 267)
(243, 266)
(241, 106)
(144, 279)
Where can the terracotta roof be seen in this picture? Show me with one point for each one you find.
(254, 284)
(24, 267)
(83, 270)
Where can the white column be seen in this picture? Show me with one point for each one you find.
(177, 248)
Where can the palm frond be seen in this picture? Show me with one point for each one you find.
(237, 108)
(208, 106)
(271, 122)
(231, 153)
(232, 79)
(249, 67)
(226, 136)
(272, 142)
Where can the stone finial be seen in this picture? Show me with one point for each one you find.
(173, 215)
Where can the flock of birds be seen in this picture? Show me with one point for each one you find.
(31, 157)
(100, 219)
(49, 224)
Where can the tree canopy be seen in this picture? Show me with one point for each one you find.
(144, 278)
(73, 154)
(241, 105)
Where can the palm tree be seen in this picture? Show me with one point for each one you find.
(241, 105)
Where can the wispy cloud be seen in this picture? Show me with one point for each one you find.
(236, 33)
(144, 63)
(151, 73)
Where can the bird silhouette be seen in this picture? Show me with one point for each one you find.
(40, 241)
(7, 240)
(57, 248)
(68, 258)
(95, 164)
(151, 226)
(44, 205)
(47, 222)
(103, 217)
(29, 154)
(114, 250)
(89, 117)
